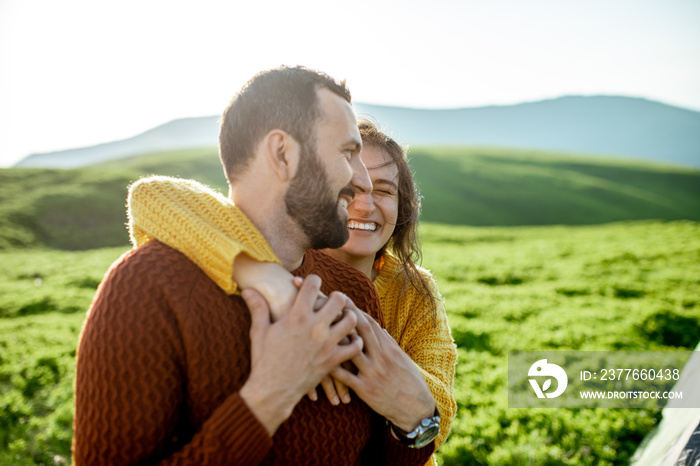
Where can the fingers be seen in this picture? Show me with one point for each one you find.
(259, 310)
(332, 308)
(380, 333)
(342, 353)
(335, 391)
(307, 295)
(343, 330)
(320, 300)
(329, 389)
(342, 390)
(345, 377)
(367, 330)
(313, 396)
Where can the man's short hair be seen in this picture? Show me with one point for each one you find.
(282, 98)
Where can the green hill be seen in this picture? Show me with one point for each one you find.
(504, 187)
(84, 208)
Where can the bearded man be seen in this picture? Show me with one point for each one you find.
(171, 369)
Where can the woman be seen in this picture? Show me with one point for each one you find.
(382, 244)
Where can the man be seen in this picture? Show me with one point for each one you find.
(170, 369)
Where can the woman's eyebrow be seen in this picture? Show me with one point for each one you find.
(385, 181)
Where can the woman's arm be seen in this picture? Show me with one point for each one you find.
(427, 339)
(213, 233)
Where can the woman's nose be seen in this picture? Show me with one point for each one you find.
(363, 203)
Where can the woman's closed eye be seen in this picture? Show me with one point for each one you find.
(383, 192)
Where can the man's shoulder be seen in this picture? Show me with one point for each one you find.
(153, 261)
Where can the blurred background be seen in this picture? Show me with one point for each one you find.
(556, 145)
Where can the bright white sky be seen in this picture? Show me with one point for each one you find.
(80, 72)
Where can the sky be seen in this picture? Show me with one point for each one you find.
(80, 72)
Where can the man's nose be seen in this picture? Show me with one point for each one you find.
(361, 182)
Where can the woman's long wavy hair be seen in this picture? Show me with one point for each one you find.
(404, 243)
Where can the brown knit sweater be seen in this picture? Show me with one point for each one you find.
(161, 358)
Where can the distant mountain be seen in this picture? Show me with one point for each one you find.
(605, 125)
(183, 133)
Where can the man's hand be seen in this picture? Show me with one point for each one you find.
(279, 288)
(292, 355)
(388, 380)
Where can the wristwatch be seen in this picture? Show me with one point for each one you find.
(422, 435)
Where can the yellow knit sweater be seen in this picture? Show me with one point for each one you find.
(198, 222)
(211, 232)
(425, 337)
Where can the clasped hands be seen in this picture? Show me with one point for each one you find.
(381, 373)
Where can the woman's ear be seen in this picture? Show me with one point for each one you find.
(282, 153)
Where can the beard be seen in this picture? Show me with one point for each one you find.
(310, 202)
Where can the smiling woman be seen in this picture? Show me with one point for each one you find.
(389, 214)
(371, 216)
(383, 245)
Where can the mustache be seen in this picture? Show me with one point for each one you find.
(348, 191)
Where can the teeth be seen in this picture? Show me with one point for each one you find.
(343, 203)
(362, 226)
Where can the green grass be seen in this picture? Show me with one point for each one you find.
(627, 286)
(38, 281)
(623, 286)
(43, 298)
(84, 208)
(37, 369)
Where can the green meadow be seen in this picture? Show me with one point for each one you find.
(611, 278)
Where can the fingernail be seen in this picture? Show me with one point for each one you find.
(314, 397)
(346, 398)
(335, 401)
(245, 294)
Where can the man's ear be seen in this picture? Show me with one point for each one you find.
(282, 153)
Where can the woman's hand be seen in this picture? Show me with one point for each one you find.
(335, 391)
(387, 379)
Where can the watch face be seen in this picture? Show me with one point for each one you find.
(427, 436)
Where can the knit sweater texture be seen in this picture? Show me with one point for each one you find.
(162, 356)
(169, 209)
